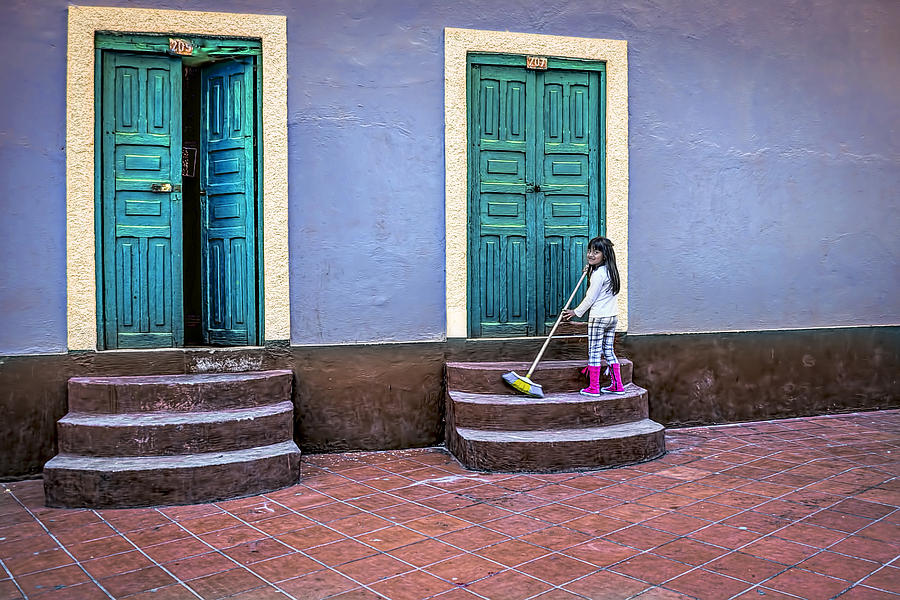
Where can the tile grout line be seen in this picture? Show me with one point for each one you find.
(58, 543)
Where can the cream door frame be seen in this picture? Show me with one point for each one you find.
(457, 44)
(81, 276)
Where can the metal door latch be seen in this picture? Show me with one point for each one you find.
(164, 187)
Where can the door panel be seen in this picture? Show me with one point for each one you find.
(568, 146)
(504, 290)
(141, 151)
(535, 190)
(228, 208)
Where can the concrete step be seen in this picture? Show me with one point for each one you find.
(75, 481)
(178, 393)
(171, 433)
(569, 410)
(558, 449)
(554, 376)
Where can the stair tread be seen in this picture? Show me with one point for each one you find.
(178, 461)
(631, 390)
(161, 418)
(644, 426)
(523, 366)
(181, 378)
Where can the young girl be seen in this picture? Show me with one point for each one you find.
(603, 285)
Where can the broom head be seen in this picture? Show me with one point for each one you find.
(523, 384)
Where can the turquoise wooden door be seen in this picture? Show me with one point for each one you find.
(141, 200)
(228, 203)
(534, 189)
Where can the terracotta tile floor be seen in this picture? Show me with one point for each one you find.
(800, 508)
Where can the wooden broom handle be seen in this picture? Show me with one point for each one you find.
(555, 325)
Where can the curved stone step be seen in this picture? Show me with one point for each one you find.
(73, 481)
(555, 376)
(570, 410)
(559, 450)
(171, 433)
(178, 393)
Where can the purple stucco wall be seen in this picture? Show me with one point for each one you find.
(764, 161)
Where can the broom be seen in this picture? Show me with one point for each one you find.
(525, 384)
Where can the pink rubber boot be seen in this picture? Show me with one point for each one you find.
(615, 375)
(593, 389)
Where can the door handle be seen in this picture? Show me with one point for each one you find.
(532, 188)
(164, 188)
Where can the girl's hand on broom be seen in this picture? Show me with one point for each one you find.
(567, 314)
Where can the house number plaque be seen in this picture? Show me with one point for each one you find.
(180, 46)
(536, 62)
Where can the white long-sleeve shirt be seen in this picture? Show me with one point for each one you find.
(599, 297)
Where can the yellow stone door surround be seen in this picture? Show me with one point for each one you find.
(457, 44)
(81, 268)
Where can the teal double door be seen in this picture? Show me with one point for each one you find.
(159, 197)
(535, 193)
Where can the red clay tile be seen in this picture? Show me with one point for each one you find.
(764, 593)
(119, 563)
(233, 536)
(473, 538)
(437, 524)
(641, 537)
(512, 552)
(199, 566)
(606, 585)
(175, 550)
(840, 521)
(374, 568)
(785, 510)
(650, 568)
(597, 525)
(309, 537)
(884, 531)
(837, 565)
(709, 511)
(811, 535)
(317, 585)
(226, 583)
(676, 523)
(285, 567)
(425, 552)
(330, 512)
(83, 591)
(723, 535)
(99, 548)
(411, 586)
(806, 584)
(634, 512)
(707, 585)
(591, 502)
(158, 534)
(404, 512)
(170, 592)
(745, 567)
(862, 592)
(778, 550)
(464, 569)
(557, 568)
(624, 491)
(600, 552)
(209, 523)
(689, 551)
(861, 508)
(44, 581)
(556, 513)
(508, 585)
(556, 538)
(31, 562)
(339, 552)
(359, 524)
(137, 581)
(257, 550)
(866, 548)
(887, 578)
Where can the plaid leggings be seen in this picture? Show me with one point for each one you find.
(601, 334)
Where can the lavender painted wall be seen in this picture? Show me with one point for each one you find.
(765, 161)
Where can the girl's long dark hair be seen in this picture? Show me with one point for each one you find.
(605, 246)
